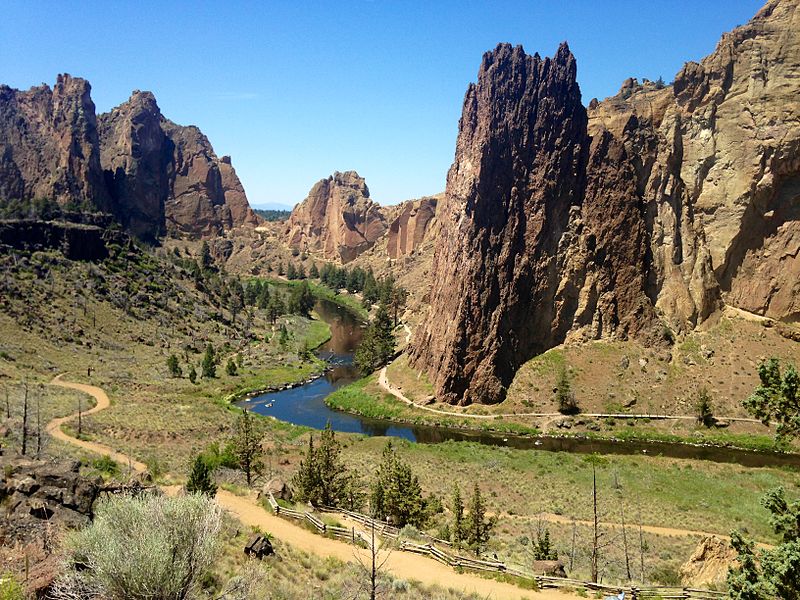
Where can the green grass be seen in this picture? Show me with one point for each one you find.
(354, 399)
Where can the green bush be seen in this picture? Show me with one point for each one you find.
(10, 589)
(148, 547)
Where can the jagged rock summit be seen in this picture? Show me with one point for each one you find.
(49, 146)
(337, 220)
(644, 214)
(156, 177)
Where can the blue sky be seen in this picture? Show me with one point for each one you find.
(295, 90)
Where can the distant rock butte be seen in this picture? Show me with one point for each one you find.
(647, 212)
(337, 220)
(155, 176)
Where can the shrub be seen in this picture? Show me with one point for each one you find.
(10, 589)
(705, 415)
(230, 368)
(105, 464)
(565, 396)
(148, 547)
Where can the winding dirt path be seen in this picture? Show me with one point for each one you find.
(401, 564)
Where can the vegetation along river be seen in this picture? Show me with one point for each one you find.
(305, 405)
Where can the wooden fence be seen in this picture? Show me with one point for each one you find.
(451, 559)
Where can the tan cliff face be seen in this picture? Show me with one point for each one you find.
(412, 225)
(49, 146)
(662, 205)
(337, 220)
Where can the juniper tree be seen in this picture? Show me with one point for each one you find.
(247, 447)
(173, 366)
(230, 367)
(457, 508)
(478, 528)
(777, 398)
(192, 374)
(377, 345)
(322, 478)
(209, 366)
(200, 478)
(396, 494)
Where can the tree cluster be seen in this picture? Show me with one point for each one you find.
(377, 344)
(470, 527)
(323, 479)
(777, 398)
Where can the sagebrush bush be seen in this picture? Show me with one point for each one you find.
(152, 547)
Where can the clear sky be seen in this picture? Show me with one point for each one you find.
(296, 90)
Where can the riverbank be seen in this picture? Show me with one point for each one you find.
(366, 399)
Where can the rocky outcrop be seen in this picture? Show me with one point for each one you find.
(49, 146)
(660, 204)
(519, 169)
(166, 178)
(156, 177)
(709, 563)
(136, 156)
(77, 241)
(337, 220)
(410, 227)
(37, 494)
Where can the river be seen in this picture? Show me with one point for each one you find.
(305, 405)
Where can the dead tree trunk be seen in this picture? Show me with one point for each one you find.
(625, 543)
(595, 533)
(25, 419)
(38, 425)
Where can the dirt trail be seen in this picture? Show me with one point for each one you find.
(401, 564)
(383, 382)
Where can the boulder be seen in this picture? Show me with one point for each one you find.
(708, 565)
(258, 546)
(278, 488)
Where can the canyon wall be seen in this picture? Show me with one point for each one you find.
(641, 215)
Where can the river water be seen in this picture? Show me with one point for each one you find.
(305, 405)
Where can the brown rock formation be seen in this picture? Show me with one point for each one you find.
(136, 157)
(410, 227)
(337, 219)
(671, 198)
(166, 178)
(709, 563)
(48, 144)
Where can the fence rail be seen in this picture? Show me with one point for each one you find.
(447, 557)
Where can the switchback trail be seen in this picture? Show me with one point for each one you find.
(403, 565)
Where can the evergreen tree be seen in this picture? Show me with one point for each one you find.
(209, 366)
(280, 269)
(173, 366)
(377, 345)
(200, 479)
(192, 374)
(283, 336)
(457, 526)
(777, 398)
(301, 271)
(302, 300)
(291, 272)
(262, 301)
(396, 493)
(478, 528)
(205, 257)
(772, 572)
(246, 446)
(705, 414)
(313, 272)
(275, 308)
(322, 478)
(565, 397)
(230, 367)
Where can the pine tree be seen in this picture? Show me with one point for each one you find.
(396, 493)
(173, 366)
(263, 297)
(378, 344)
(205, 257)
(276, 308)
(230, 367)
(291, 272)
(705, 414)
(192, 374)
(457, 508)
(478, 527)
(565, 397)
(209, 366)
(200, 479)
(306, 479)
(246, 445)
(313, 272)
(302, 300)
